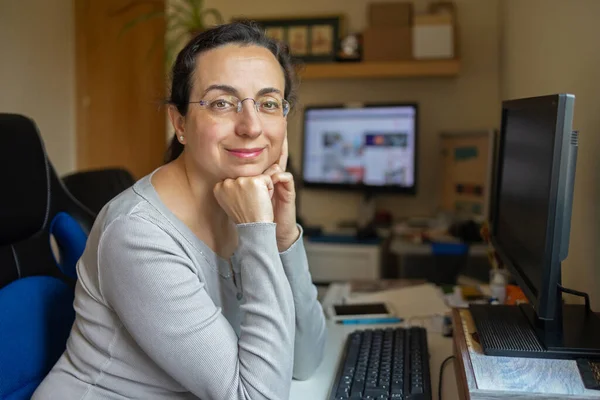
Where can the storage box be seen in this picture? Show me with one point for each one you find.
(387, 44)
(390, 15)
(433, 36)
(330, 262)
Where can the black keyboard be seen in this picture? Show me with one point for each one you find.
(590, 373)
(382, 364)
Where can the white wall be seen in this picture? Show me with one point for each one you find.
(37, 71)
(551, 46)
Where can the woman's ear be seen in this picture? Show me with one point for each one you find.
(177, 120)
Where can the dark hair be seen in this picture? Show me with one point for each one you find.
(245, 33)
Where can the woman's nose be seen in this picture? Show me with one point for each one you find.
(249, 123)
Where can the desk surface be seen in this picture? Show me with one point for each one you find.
(319, 385)
(490, 377)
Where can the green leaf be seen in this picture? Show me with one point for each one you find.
(197, 4)
(173, 29)
(196, 7)
(214, 12)
(141, 18)
(179, 8)
(176, 19)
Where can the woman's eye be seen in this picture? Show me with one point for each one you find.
(270, 105)
(221, 104)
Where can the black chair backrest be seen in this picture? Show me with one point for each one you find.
(32, 196)
(95, 188)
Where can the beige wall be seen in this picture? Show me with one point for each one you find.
(468, 102)
(37, 69)
(552, 46)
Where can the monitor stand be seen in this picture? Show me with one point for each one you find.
(515, 331)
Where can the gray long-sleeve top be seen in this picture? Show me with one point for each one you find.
(159, 315)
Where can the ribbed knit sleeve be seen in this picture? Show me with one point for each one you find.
(148, 281)
(309, 343)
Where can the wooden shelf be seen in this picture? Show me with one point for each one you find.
(388, 69)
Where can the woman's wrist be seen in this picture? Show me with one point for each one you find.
(286, 240)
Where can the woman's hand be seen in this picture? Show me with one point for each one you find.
(284, 201)
(246, 199)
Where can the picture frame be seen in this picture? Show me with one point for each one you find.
(309, 39)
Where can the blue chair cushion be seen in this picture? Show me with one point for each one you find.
(36, 316)
(71, 241)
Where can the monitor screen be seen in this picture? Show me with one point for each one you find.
(524, 189)
(373, 146)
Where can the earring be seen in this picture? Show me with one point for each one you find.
(181, 138)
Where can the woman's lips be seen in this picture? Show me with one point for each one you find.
(246, 153)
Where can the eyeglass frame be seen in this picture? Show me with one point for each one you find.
(286, 106)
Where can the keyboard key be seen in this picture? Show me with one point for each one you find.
(375, 392)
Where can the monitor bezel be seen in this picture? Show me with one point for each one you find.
(361, 187)
(543, 295)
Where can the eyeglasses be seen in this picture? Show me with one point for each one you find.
(228, 106)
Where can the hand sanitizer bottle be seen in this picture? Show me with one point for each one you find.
(498, 281)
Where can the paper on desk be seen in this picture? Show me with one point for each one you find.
(412, 301)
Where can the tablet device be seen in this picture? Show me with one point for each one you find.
(340, 312)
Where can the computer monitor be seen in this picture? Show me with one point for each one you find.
(369, 147)
(530, 228)
(532, 216)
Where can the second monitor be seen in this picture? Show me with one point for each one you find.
(369, 147)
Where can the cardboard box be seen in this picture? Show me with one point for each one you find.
(433, 36)
(387, 44)
(390, 15)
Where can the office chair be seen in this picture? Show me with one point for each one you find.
(37, 288)
(95, 188)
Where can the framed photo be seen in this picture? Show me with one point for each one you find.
(309, 39)
(297, 40)
(321, 39)
(276, 32)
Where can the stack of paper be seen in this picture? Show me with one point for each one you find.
(407, 302)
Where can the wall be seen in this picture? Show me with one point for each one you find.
(468, 102)
(551, 46)
(37, 71)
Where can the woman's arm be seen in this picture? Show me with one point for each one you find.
(309, 343)
(152, 286)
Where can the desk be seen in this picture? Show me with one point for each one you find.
(319, 385)
(489, 377)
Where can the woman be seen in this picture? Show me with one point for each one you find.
(194, 283)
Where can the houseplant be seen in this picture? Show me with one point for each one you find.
(183, 18)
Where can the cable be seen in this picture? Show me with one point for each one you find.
(585, 296)
(441, 374)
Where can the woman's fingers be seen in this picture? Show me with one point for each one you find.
(282, 177)
(273, 169)
(283, 158)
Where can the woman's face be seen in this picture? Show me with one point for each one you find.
(222, 142)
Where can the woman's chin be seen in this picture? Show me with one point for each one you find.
(246, 170)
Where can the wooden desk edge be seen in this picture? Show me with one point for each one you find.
(465, 377)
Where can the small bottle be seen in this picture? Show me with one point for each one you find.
(498, 285)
